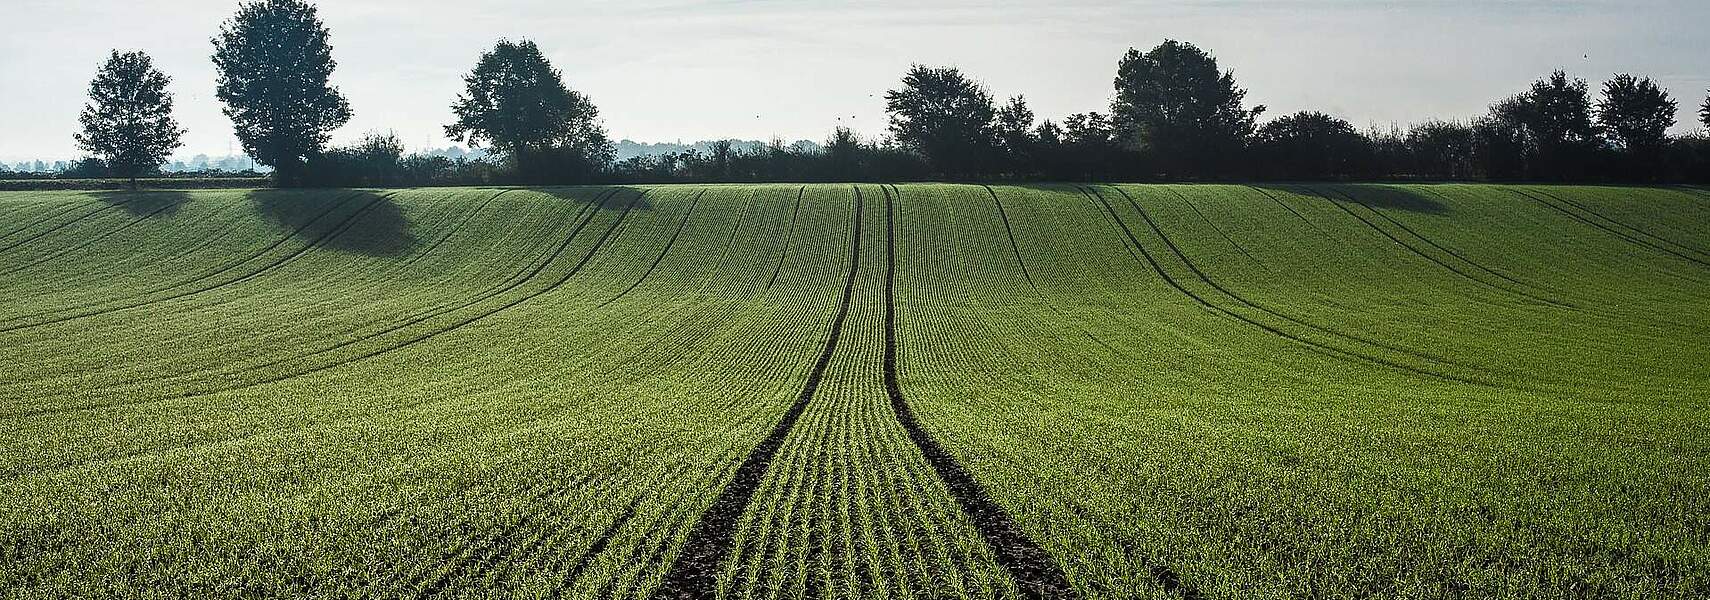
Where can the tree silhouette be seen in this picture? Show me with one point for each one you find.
(1440, 150)
(945, 116)
(1635, 115)
(1015, 134)
(274, 61)
(1311, 145)
(128, 122)
(1704, 111)
(1545, 132)
(1175, 106)
(515, 101)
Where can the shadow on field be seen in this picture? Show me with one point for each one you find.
(357, 221)
(141, 203)
(1397, 197)
(1377, 196)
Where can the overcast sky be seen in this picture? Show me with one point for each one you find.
(667, 71)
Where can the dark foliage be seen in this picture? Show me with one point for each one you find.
(1178, 111)
(274, 61)
(1311, 145)
(128, 122)
(1704, 112)
(518, 103)
(1635, 115)
(1545, 133)
(946, 117)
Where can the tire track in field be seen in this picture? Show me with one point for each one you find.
(505, 285)
(93, 240)
(79, 219)
(1016, 249)
(429, 313)
(172, 252)
(598, 245)
(1035, 573)
(789, 236)
(1225, 235)
(1292, 211)
(337, 230)
(199, 278)
(710, 540)
(1623, 236)
(600, 544)
(689, 214)
(1319, 347)
(1427, 256)
(531, 274)
(1623, 225)
(452, 232)
(729, 242)
(53, 214)
(1176, 250)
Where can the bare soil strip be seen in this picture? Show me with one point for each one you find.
(1035, 573)
(694, 573)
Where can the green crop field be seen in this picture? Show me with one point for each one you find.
(873, 391)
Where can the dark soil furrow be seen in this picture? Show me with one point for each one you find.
(1035, 573)
(694, 573)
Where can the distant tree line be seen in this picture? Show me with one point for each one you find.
(1175, 115)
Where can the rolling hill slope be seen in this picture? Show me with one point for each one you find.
(911, 391)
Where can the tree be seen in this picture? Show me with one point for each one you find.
(842, 154)
(1546, 132)
(1173, 105)
(1502, 144)
(1704, 111)
(1015, 135)
(1311, 145)
(1557, 113)
(1441, 150)
(128, 122)
(515, 101)
(1635, 115)
(274, 61)
(944, 116)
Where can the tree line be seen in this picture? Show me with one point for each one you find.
(1175, 115)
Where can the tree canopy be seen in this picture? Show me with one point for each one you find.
(1635, 115)
(274, 62)
(1173, 105)
(1704, 111)
(1311, 145)
(945, 116)
(517, 102)
(128, 121)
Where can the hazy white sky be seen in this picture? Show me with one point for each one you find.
(678, 70)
